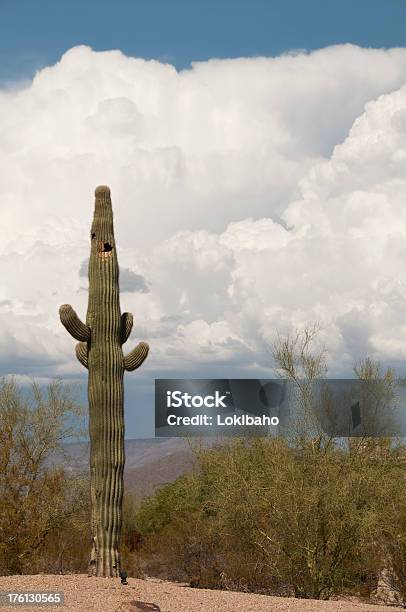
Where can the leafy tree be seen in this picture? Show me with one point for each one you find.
(32, 494)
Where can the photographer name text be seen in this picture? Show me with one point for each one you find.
(222, 421)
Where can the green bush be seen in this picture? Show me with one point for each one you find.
(261, 515)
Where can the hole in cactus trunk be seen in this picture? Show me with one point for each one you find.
(104, 249)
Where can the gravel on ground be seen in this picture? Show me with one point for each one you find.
(83, 594)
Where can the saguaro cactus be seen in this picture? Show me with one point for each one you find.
(100, 351)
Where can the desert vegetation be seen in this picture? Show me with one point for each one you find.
(306, 515)
(260, 515)
(45, 510)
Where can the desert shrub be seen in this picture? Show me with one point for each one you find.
(260, 515)
(393, 536)
(63, 550)
(32, 496)
(130, 539)
(171, 521)
(306, 515)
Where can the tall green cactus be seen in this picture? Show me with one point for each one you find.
(100, 351)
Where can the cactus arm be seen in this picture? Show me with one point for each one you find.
(133, 360)
(73, 324)
(81, 353)
(126, 326)
(100, 351)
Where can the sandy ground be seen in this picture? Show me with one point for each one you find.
(108, 595)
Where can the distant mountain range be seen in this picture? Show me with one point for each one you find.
(150, 463)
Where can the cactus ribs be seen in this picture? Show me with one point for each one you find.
(100, 351)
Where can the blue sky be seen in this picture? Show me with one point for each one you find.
(36, 34)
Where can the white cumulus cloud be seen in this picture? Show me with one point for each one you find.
(251, 196)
